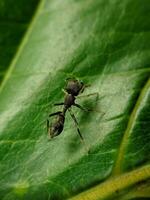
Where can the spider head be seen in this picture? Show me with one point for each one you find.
(74, 86)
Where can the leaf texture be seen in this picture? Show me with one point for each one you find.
(105, 44)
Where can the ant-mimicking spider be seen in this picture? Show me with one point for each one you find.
(73, 88)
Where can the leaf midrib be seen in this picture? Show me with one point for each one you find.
(132, 119)
(115, 184)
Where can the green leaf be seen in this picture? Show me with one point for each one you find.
(106, 44)
(14, 20)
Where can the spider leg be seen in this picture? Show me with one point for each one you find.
(82, 108)
(88, 95)
(76, 123)
(84, 86)
(58, 104)
(48, 129)
(56, 113)
(47, 125)
(64, 91)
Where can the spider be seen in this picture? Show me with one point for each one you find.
(73, 88)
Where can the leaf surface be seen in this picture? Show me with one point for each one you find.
(14, 20)
(105, 44)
